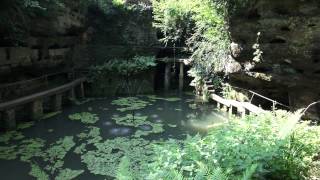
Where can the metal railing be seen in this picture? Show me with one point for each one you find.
(274, 102)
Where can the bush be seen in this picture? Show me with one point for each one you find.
(268, 146)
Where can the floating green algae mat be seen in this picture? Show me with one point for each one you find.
(84, 117)
(131, 120)
(130, 104)
(102, 160)
(58, 148)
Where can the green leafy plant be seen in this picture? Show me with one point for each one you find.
(267, 146)
(126, 69)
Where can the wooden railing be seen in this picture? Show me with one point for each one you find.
(36, 101)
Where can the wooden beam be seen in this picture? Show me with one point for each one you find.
(33, 97)
(167, 77)
(181, 77)
(37, 109)
(9, 117)
(57, 102)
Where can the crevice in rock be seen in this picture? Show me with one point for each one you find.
(316, 60)
(285, 28)
(281, 11)
(317, 72)
(312, 25)
(301, 71)
(262, 69)
(278, 41)
(54, 46)
(8, 54)
(254, 14)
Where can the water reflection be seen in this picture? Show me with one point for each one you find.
(123, 131)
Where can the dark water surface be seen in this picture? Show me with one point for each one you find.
(179, 117)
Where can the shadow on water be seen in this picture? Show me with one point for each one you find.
(180, 116)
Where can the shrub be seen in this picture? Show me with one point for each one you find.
(267, 146)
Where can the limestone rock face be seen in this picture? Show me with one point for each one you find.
(290, 41)
(48, 40)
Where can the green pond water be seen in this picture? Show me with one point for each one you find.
(88, 140)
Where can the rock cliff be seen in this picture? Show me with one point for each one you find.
(289, 70)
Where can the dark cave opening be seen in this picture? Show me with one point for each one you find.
(278, 41)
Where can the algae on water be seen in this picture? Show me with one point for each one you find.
(38, 173)
(130, 104)
(84, 117)
(107, 155)
(130, 120)
(56, 153)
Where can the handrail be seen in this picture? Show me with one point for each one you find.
(255, 93)
(30, 98)
(30, 80)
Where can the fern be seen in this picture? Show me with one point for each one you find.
(247, 175)
(218, 174)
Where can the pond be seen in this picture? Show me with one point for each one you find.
(88, 140)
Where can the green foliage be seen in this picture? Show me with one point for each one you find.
(127, 71)
(229, 92)
(123, 67)
(270, 145)
(208, 39)
(84, 117)
(172, 17)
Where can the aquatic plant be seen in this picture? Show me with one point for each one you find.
(130, 120)
(55, 154)
(68, 174)
(30, 148)
(91, 135)
(38, 173)
(102, 161)
(84, 117)
(10, 136)
(8, 152)
(130, 104)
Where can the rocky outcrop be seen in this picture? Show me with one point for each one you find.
(47, 43)
(290, 40)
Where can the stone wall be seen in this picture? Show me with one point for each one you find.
(290, 40)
